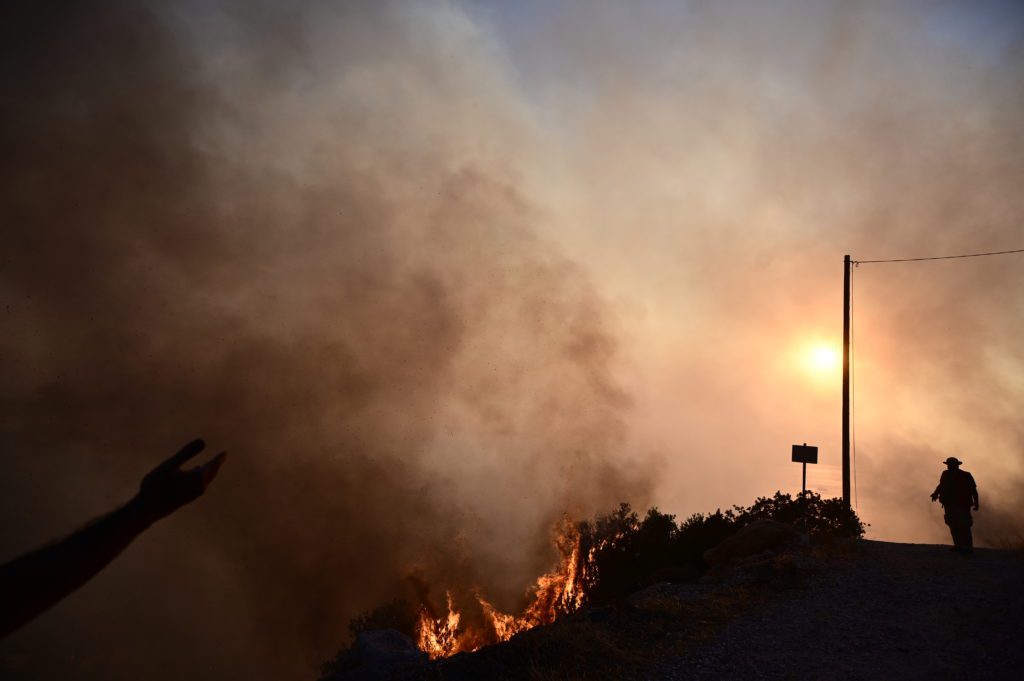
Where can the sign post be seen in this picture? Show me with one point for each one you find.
(805, 454)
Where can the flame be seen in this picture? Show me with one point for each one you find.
(559, 592)
(438, 636)
(505, 626)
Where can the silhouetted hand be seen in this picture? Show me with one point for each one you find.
(35, 581)
(167, 487)
(935, 497)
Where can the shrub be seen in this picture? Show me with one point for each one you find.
(397, 614)
(627, 552)
(807, 512)
(624, 550)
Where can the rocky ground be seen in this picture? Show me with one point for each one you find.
(853, 610)
(895, 611)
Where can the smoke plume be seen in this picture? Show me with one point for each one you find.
(301, 234)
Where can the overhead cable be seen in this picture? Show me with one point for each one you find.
(939, 257)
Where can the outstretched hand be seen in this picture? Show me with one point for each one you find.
(37, 580)
(167, 487)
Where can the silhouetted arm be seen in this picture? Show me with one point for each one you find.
(974, 494)
(34, 582)
(938, 488)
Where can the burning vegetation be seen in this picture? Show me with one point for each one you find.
(558, 592)
(600, 562)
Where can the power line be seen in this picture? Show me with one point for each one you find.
(939, 257)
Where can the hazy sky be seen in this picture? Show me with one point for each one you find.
(720, 159)
(436, 273)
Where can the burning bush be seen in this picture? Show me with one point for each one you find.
(603, 560)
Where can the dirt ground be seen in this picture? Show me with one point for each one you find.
(893, 611)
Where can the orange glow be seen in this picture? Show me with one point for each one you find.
(439, 636)
(556, 593)
(822, 359)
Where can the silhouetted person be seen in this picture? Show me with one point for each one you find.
(32, 583)
(957, 492)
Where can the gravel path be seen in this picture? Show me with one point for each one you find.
(895, 611)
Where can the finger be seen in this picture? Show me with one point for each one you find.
(208, 471)
(184, 454)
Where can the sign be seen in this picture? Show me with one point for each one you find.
(805, 454)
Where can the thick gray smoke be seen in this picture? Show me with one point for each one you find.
(299, 233)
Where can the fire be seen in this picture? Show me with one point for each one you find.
(561, 591)
(505, 626)
(439, 636)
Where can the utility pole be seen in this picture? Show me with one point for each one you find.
(846, 381)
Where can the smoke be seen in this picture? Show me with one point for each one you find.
(301, 234)
(732, 154)
(435, 274)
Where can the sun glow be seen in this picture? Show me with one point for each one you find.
(822, 359)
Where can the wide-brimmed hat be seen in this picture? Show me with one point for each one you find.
(953, 459)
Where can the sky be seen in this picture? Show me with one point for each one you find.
(704, 94)
(437, 273)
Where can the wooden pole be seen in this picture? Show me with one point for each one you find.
(846, 381)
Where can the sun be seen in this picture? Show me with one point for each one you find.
(822, 359)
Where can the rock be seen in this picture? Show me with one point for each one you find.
(758, 536)
(677, 574)
(657, 595)
(377, 655)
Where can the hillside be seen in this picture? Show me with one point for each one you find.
(852, 610)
